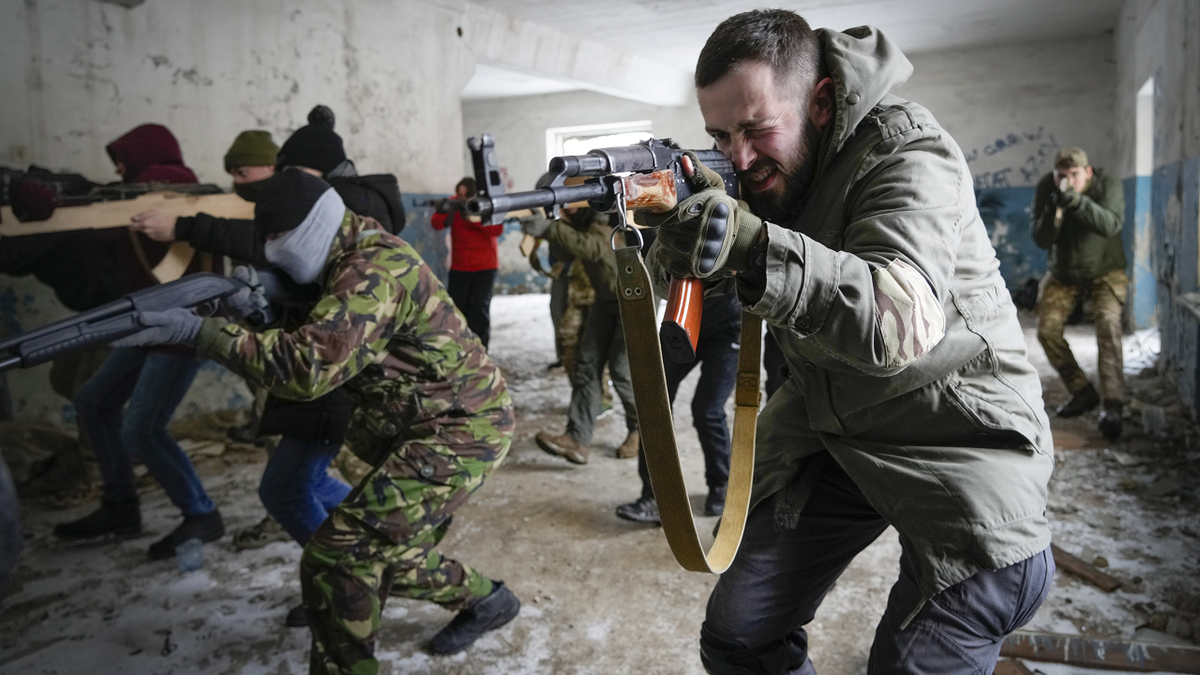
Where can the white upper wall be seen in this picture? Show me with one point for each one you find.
(88, 72)
(1010, 108)
(1159, 40)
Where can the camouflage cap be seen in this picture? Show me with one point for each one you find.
(1067, 158)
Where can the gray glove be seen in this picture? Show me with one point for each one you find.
(535, 225)
(250, 303)
(176, 326)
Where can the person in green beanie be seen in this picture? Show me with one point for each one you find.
(251, 161)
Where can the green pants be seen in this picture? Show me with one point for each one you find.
(382, 540)
(1108, 302)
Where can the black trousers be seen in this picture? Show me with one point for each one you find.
(717, 349)
(758, 609)
(472, 295)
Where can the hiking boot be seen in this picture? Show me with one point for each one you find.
(247, 434)
(267, 530)
(563, 446)
(556, 364)
(123, 519)
(485, 614)
(644, 510)
(714, 504)
(296, 617)
(629, 448)
(205, 527)
(1080, 402)
(1110, 419)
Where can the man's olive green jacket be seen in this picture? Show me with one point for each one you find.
(1087, 245)
(906, 360)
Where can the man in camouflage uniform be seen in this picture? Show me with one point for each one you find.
(432, 415)
(1078, 213)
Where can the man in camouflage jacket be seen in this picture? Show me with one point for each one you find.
(432, 415)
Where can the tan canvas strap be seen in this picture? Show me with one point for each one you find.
(658, 428)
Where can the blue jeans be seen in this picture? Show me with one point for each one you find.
(296, 489)
(153, 383)
(760, 605)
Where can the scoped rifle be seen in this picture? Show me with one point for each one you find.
(112, 321)
(645, 176)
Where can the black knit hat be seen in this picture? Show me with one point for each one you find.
(286, 199)
(314, 145)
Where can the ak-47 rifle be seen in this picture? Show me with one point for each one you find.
(112, 321)
(646, 176)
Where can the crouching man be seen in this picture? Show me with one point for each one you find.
(910, 401)
(432, 415)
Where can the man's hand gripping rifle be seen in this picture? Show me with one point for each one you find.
(120, 318)
(648, 176)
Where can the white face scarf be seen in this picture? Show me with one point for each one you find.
(302, 252)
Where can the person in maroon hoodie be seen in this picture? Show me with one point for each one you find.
(473, 260)
(152, 382)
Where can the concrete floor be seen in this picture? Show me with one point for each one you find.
(600, 595)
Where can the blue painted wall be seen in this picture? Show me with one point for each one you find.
(1006, 213)
(1175, 230)
(514, 275)
(1143, 290)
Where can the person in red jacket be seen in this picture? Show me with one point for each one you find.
(472, 259)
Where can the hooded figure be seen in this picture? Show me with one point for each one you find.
(150, 154)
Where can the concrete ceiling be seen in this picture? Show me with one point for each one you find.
(672, 32)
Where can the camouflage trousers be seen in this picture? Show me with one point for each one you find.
(1108, 301)
(382, 540)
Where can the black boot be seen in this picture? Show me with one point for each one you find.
(644, 510)
(714, 505)
(1110, 419)
(1080, 402)
(123, 519)
(297, 617)
(489, 613)
(205, 527)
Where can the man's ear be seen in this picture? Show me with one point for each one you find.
(820, 103)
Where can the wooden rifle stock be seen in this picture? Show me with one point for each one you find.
(680, 329)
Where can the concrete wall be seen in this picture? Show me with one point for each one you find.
(1010, 108)
(1158, 40)
(519, 125)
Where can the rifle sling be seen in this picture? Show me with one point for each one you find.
(656, 423)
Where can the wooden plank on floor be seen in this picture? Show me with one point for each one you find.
(1068, 562)
(1009, 667)
(1085, 652)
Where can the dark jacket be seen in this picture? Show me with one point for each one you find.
(1087, 245)
(376, 196)
(88, 268)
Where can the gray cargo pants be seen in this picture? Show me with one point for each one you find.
(758, 609)
(603, 342)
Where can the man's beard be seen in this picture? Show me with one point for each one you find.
(780, 207)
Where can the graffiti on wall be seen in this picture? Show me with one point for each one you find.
(1027, 153)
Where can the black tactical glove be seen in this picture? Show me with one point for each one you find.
(705, 233)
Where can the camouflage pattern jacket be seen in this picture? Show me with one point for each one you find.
(386, 332)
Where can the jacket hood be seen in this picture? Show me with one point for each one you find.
(385, 186)
(150, 153)
(865, 65)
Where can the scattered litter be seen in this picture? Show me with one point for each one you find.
(1141, 350)
(1154, 421)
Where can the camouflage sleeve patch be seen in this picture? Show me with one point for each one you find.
(347, 330)
(909, 317)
